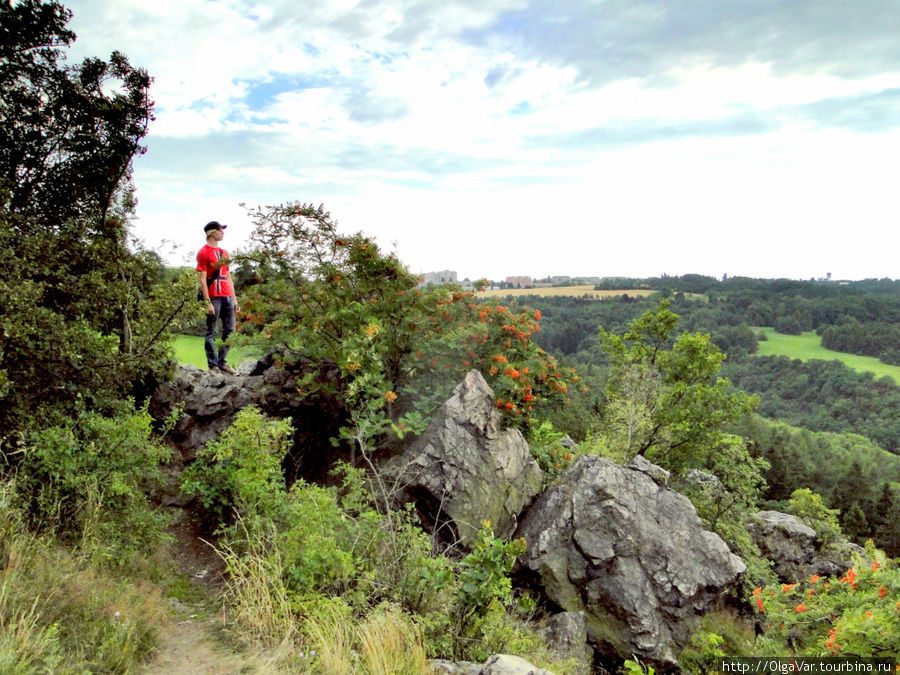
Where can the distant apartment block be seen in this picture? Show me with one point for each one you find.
(438, 278)
(519, 282)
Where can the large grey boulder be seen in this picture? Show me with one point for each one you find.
(615, 543)
(566, 634)
(466, 468)
(507, 664)
(795, 549)
(785, 540)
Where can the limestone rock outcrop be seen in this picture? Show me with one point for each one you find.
(795, 549)
(614, 542)
(210, 400)
(466, 468)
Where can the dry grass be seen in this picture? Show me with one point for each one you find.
(62, 612)
(391, 643)
(322, 637)
(575, 291)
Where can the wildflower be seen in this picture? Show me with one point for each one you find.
(499, 358)
(882, 592)
(868, 615)
(786, 588)
(814, 578)
(800, 608)
(537, 315)
(372, 329)
(510, 405)
(390, 396)
(759, 605)
(849, 578)
(757, 590)
(875, 566)
(528, 397)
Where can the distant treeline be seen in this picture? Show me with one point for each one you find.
(873, 338)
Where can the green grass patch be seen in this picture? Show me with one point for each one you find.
(808, 346)
(189, 351)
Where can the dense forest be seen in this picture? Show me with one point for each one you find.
(329, 575)
(812, 396)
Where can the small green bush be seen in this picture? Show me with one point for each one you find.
(87, 482)
(241, 471)
(547, 449)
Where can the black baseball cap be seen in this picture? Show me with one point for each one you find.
(213, 225)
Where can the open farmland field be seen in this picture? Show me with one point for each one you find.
(808, 346)
(576, 291)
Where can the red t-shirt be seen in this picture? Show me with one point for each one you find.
(210, 258)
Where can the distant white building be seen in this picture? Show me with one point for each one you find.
(439, 278)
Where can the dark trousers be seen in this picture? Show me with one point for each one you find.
(225, 312)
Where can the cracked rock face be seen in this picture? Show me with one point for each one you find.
(795, 548)
(466, 468)
(613, 542)
(210, 400)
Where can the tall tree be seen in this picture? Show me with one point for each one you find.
(67, 133)
(78, 321)
(666, 395)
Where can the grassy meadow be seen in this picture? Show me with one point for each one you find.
(189, 351)
(808, 346)
(576, 291)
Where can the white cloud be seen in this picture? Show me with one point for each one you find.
(484, 141)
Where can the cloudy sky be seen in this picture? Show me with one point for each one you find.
(526, 137)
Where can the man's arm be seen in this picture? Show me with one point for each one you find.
(204, 290)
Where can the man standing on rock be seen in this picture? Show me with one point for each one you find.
(218, 293)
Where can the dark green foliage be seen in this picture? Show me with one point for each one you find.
(822, 396)
(850, 472)
(84, 318)
(873, 338)
(65, 144)
(86, 481)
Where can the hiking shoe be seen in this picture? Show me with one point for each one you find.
(225, 368)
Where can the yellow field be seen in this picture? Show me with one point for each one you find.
(577, 291)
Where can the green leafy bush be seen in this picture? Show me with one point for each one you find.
(240, 472)
(547, 449)
(400, 349)
(87, 482)
(811, 509)
(855, 615)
